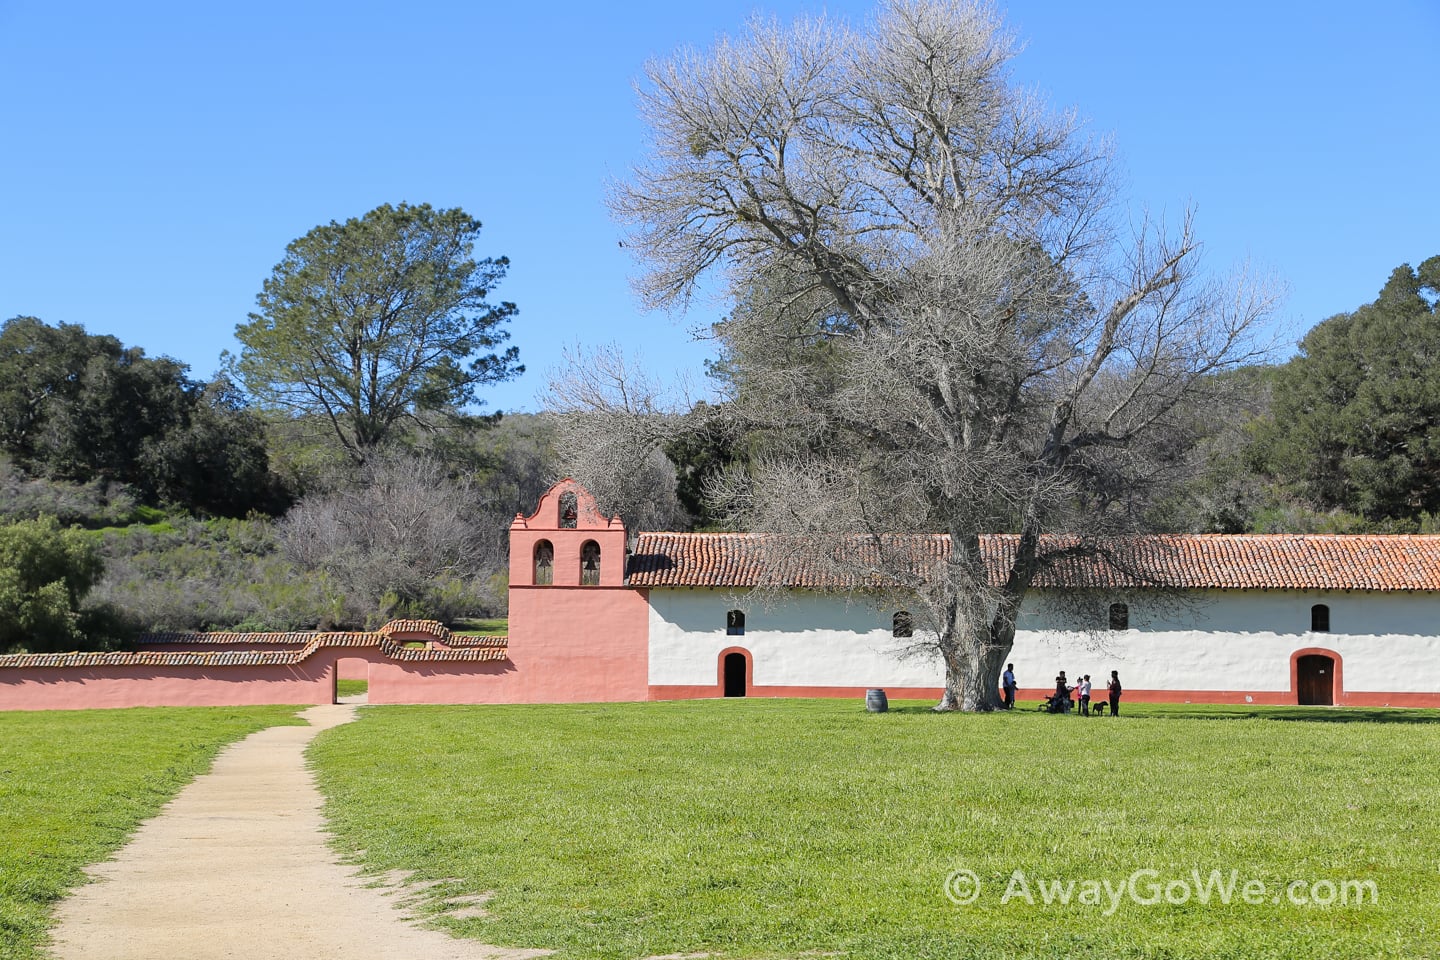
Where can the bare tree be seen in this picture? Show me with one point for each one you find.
(937, 326)
(620, 457)
(401, 539)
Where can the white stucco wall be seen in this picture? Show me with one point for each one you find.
(815, 640)
(1218, 641)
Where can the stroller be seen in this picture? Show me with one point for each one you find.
(1057, 702)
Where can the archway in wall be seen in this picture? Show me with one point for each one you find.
(1315, 680)
(734, 669)
(352, 680)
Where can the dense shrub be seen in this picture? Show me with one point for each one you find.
(97, 503)
(215, 575)
(45, 573)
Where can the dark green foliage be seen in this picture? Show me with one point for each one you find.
(698, 457)
(78, 406)
(84, 408)
(1224, 493)
(1356, 421)
(214, 575)
(217, 462)
(40, 366)
(45, 573)
(378, 321)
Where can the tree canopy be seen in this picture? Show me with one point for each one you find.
(82, 407)
(934, 321)
(1356, 422)
(45, 573)
(376, 321)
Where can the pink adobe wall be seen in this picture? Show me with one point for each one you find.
(309, 682)
(268, 669)
(440, 682)
(578, 644)
(78, 688)
(571, 643)
(544, 524)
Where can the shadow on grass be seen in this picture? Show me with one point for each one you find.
(1307, 714)
(1212, 711)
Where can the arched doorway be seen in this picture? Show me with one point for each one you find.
(735, 667)
(1315, 680)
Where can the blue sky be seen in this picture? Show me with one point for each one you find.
(156, 158)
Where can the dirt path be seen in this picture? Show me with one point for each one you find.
(237, 866)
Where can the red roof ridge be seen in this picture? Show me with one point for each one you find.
(498, 650)
(1250, 561)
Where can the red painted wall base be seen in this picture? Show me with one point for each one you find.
(1346, 698)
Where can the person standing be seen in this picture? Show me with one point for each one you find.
(1007, 683)
(1114, 691)
(1083, 688)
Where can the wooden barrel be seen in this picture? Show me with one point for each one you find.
(875, 701)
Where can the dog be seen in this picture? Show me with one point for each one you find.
(1097, 709)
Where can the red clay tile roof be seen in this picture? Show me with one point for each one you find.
(1204, 561)
(220, 639)
(475, 649)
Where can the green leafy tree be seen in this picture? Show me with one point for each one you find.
(216, 462)
(1356, 423)
(45, 573)
(378, 321)
(84, 408)
(76, 406)
(39, 365)
(700, 455)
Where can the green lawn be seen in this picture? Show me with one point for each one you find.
(75, 784)
(774, 828)
(350, 688)
(481, 627)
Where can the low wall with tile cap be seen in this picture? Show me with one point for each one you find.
(242, 669)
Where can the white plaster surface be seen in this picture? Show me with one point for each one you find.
(816, 640)
(1239, 640)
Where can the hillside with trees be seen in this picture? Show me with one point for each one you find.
(134, 497)
(339, 478)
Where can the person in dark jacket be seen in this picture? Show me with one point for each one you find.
(1114, 690)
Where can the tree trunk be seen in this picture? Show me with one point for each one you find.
(972, 672)
(973, 660)
(983, 692)
(954, 678)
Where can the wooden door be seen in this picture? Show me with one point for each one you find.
(1315, 680)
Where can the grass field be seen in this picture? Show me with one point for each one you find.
(777, 828)
(351, 688)
(481, 627)
(74, 784)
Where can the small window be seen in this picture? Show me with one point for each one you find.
(735, 623)
(1320, 618)
(544, 564)
(590, 564)
(1119, 616)
(901, 625)
(569, 512)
